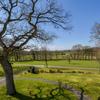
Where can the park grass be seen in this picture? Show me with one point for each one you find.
(89, 82)
(28, 89)
(64, 63)
(75, 64)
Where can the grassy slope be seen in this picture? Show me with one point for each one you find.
(90, 82)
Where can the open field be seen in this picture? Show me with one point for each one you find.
(89, 66)
(73, 63)
(89, 82)
(78, 74)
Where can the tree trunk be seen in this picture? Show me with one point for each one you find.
(8, 74)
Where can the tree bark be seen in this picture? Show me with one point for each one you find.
(8, 74)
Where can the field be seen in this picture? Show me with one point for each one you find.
(65, 63)
(74, 65)
(89, 82)
(78, 74)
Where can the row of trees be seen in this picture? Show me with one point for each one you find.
(84, 52)
(77, 54)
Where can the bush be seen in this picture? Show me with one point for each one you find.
(59, 71)
(33, 70)
(52, 71)
(74, 72)
(44, 70)
(81, 72)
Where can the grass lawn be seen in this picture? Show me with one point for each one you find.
(35, 90)
(89, 82)
(74, 63)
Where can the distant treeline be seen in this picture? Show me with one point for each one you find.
(81, 54)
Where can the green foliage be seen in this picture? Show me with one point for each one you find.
(52, 71)
(34, 70)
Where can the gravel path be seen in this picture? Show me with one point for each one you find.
(65, 86)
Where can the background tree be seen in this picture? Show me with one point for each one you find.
(34, 52)
(96, 37)
(77, 47)
(20, 22)
(95, 34)
(77, 51)
(45, 41)
(98, 57)
(44, 52)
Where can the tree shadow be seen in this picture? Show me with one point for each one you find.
(20, 96)
(56, 93)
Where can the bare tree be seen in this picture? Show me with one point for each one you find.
(98, 57)
(45, 41)
(95, 34)
(96, 37)
(77, 51)
(44, 52)
(22, 21)
(77, 47)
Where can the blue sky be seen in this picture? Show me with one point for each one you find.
(84, 14)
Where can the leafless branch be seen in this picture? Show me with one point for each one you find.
(24, 20)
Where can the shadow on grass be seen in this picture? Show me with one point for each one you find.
(20, 96)
(57, 93)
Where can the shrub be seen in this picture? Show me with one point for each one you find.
(33, 70)
(43, 70)
(59, 71)
(81, 72)
(52, 71)
(74, 72)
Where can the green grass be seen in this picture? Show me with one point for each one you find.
(74, 63)
(89, 82)
(30, 90)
